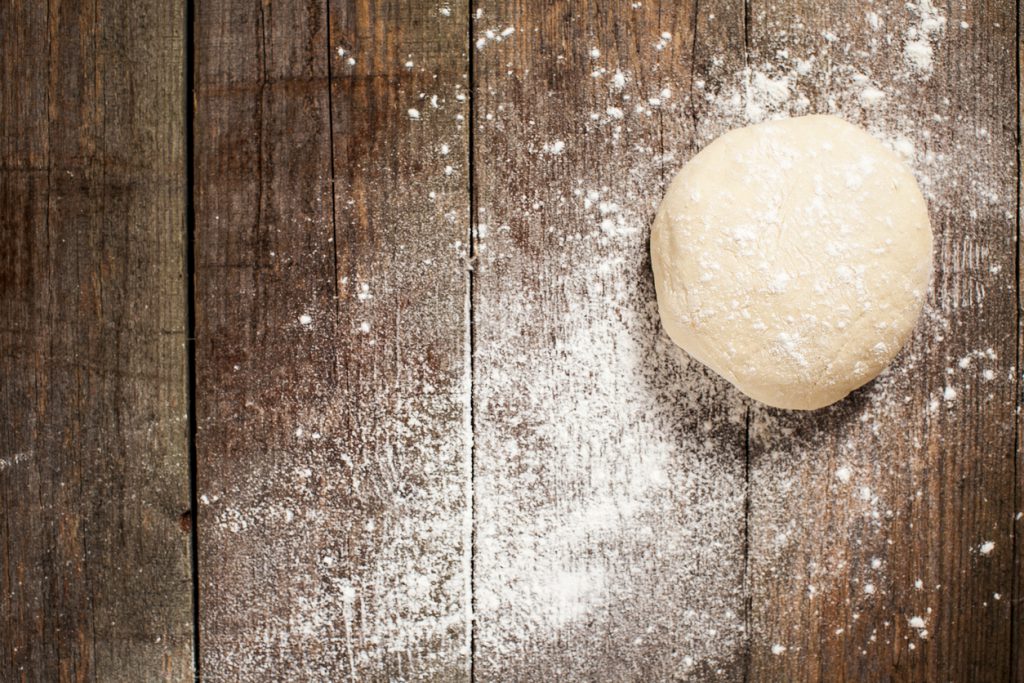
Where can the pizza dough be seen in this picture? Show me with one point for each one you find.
(793, 258)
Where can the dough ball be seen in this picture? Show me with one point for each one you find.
(793, 258)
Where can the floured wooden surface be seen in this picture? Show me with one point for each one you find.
(333, 468)
(870, 521)
(609, 469)
(436, 445)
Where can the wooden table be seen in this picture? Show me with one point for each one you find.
(328, 349)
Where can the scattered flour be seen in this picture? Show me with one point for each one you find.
(548, 510)
(919, 38)
(607, 491)
(871, 96)
(597, 511)
(493, 36)
(556, 147)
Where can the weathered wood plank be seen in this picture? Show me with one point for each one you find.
(871, 521)
(332, 340)
(609, 470)
(94, 562)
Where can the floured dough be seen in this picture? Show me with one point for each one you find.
(793, 258)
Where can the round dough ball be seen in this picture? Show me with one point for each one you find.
(793, 258)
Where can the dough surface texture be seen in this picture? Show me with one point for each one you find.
(793, 258)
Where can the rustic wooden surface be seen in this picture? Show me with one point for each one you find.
(440, 435)
(94, 562)
(333, 450)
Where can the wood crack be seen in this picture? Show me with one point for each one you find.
(330, 135)
(1015, 557)
(693, 70)
(190, 312)
(747, 597)
(471, 241)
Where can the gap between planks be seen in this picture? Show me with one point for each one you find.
(470, 337)
(1014, 548)
(190, 311)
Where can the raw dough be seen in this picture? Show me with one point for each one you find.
(793, 258)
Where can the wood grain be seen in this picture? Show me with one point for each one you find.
(609, 470)
(94, 565)
(874, 512)
(440, 433)
(332, 449)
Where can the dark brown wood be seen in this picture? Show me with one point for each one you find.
(94, 567)
(910, 478)
(402, 421)
(609, 471)
(333, 449)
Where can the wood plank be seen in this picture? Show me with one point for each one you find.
(332, 449)
(870, 521)
(609, 469)
(94, 561)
